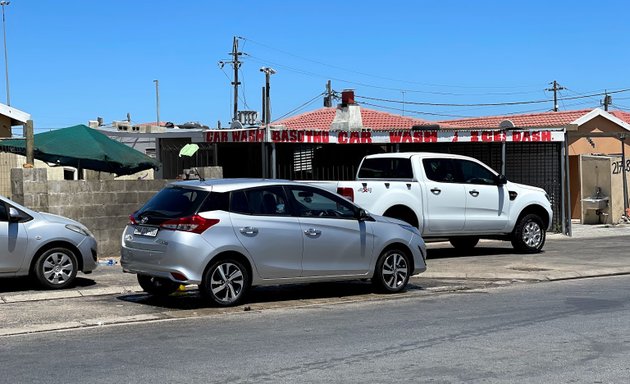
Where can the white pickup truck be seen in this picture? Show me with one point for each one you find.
(450, 197)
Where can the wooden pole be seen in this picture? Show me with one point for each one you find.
(30, 143)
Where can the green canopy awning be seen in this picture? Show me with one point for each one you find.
(86, 148)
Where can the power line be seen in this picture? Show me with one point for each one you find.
(301, 106)
(375, 76)
(415, 112)
(508, 103)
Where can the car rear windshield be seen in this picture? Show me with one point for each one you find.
(386, 168)
(173, 202)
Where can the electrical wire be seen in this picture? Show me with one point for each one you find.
(242, 94)
(414, 111)
(508, 103)
(300, 107)
(377, 76)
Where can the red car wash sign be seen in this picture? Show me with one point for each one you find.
(295, 136)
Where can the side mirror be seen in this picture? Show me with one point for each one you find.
(362, 215)
(14, 215)
(501, 179)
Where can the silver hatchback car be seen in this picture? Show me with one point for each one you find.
(48, 247)
(229, 235)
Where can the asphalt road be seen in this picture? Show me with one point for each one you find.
(562, 332)
(109, 296)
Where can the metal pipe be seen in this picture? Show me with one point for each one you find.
(6, 58)
(622, 138)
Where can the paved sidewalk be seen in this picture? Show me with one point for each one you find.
(496, 260)
(489, 260)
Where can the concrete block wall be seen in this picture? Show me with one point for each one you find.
(103, 206)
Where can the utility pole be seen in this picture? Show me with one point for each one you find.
(607, 101)
(328, 97)
(268, 72)
(556, 87)
(30, 143)
(236, 64)
(157, 101)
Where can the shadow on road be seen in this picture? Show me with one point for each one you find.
(192, 299)
(22, 284)
(446, 252)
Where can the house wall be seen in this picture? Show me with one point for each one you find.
(601, 145)
(596, 146)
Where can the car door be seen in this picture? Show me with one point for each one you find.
(13, 241)
(487, 201)
(264, 226)
(336, 243)
(444, 196)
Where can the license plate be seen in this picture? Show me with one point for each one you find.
(146, 231)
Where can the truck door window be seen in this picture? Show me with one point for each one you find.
(386, 168)
(474, 173)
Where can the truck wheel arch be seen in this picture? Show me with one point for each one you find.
(535, 210)
(404, 213)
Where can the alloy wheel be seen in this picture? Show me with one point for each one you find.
(227, 282)
(532, 234)
(58, 268)
(395, 270)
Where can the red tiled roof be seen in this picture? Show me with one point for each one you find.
(322, 118)
(625, 116)
(546, 120)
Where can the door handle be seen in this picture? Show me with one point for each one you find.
(436, 191)
(249, 231)
(311, 232)
(474, 193)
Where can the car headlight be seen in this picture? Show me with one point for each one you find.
(81, 230)
(548, 198)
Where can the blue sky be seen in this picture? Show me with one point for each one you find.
(73, 60)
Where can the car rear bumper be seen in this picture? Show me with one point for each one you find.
(176, 256)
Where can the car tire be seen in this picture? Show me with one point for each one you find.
(56, 268)
(464, 243)
(529, 234)
(392, 271)
(225, 283)
(157, 286)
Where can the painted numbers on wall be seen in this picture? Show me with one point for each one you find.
(617, 167)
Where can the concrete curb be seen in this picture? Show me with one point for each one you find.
(67, 294)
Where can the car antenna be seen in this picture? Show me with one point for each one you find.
(197, 173)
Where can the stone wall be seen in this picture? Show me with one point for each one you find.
(103, 206)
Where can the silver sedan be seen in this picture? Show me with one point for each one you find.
(48, 247)
(229, 235)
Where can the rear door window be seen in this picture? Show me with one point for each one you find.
(441, 170)
(386, 168)
(260, 201)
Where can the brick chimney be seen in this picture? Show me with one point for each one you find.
(348, 114)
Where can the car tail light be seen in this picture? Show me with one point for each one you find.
(179, 276)
(348, 193)
(132, 220)
(194, 224)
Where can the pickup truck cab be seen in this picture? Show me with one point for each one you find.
(451, 197)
